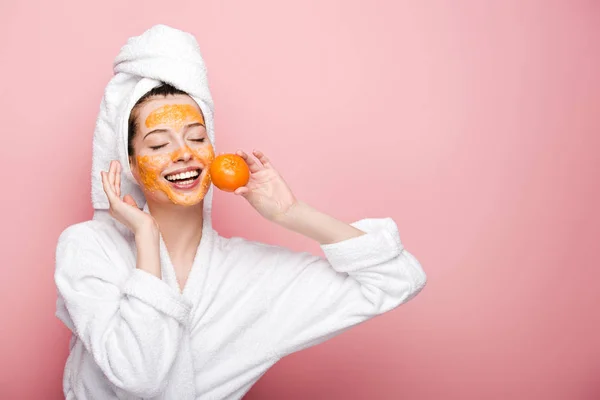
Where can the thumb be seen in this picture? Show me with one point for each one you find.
(242, 191)
(129, 200)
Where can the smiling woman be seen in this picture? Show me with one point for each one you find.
(173, 130)
(163, 307)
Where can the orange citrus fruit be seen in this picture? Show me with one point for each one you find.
(229, 172)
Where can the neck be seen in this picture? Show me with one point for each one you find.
(180, 226)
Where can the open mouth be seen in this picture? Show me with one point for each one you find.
(184, 179)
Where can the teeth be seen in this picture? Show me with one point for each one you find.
(184, 175)
(185, 182)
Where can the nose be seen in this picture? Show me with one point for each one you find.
(183, 154)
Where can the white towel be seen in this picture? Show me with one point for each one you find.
(160, 54)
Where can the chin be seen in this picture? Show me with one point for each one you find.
(187, 202)
(170, 199)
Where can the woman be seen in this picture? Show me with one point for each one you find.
(160, 305)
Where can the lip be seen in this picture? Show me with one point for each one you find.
(181, 170)
(189, 186)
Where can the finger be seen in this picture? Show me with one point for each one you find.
(111, 176)
(262, 158)
(241, 191)
(252, 163)
(106, 186)
(130, 200)
(242, 154)
(118, 181)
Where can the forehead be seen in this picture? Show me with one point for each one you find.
(161, 110)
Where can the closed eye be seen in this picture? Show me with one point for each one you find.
(158, 147)
(198, 140)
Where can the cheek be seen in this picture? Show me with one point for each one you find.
(205, 154)
(150, 167)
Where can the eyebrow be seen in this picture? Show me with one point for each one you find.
(155, 131)
(193, 125)
(161, 130)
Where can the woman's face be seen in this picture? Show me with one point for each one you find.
(172, 151)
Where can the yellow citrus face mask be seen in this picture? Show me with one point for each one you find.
(184, 189)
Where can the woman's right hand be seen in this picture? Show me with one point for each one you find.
(126, 211)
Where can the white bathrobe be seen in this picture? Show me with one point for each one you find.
(245, 304)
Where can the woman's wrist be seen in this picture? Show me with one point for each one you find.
(147, 230)
(147, 241)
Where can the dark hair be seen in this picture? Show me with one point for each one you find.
(162, 90)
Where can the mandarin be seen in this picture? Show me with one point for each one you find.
(229, 172)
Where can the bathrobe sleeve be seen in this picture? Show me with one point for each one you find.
(318, 298)
(129, 320)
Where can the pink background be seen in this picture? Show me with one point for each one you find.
(473, 124)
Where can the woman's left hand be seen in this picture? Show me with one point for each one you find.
(266, 190)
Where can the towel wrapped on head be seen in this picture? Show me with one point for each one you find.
(160, 54)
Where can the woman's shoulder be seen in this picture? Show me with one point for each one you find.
(93, 234)
(94, 248)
